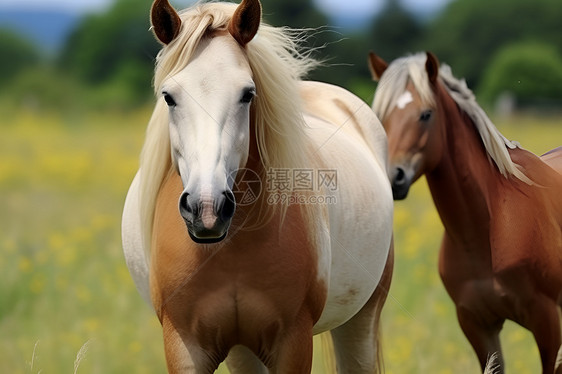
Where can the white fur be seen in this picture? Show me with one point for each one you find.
(493, 365)
(360, 226)
(404, 99)
(346, 137)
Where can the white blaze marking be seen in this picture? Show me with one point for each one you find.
(404, 99)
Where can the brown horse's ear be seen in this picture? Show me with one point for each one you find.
(246, 21)
(432, 67)
(377, 66)
(165, 21)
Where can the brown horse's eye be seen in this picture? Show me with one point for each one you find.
(426, 116)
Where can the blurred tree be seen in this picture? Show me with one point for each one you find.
(41, 89)
(117, 50)
(114, 51)
(469, 32)
(16, 55)
(344, 57)
(302, 14)
(395, 32)
(105, 47)
(531, 72)
(292, 13)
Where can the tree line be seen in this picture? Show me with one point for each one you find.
(500, 45)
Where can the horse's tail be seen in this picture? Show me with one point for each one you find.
(558, 366)
(328, 357)
(493, 364)
(381, 294)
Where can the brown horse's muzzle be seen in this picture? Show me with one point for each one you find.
(401, 183)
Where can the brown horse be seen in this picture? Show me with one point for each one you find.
(501, 206)
(257, 219)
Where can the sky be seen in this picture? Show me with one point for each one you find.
(371, 7)
(331, 7)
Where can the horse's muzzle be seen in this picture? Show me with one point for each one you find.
(400, 183)
(207, 218)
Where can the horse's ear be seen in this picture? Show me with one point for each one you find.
(166, 22)
(432, 67)
(377, 66)
(246, 21)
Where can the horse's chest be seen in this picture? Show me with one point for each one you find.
(461, 263)
(239, 294)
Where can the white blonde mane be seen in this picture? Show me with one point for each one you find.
(277, 66)
(412, 68)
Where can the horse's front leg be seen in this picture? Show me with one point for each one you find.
(178, 358)
(293, 352)
(183, 360)
(483, 335)
(544, 322)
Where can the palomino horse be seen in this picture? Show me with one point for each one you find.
(501, 206)
(254, 279)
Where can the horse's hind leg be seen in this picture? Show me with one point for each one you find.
(242, 360)
(356, 342)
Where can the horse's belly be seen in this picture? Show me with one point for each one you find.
(355, 272)
(360, 230)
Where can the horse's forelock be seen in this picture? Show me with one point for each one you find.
(197, 22)
(394, 80)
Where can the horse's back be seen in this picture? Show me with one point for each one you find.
(347, 113)
(554, 159)
(546, 174)
(132, 241)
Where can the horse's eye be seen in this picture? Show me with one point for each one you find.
(426, 116)
(169, 99)
(248, 95)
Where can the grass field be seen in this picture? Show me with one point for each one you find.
(64, 283)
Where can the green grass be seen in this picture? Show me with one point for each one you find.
(64, 282)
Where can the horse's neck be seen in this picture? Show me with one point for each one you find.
(460, 184)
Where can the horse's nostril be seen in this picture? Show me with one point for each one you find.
(186, 209)
(400, 177)
(228, 207)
